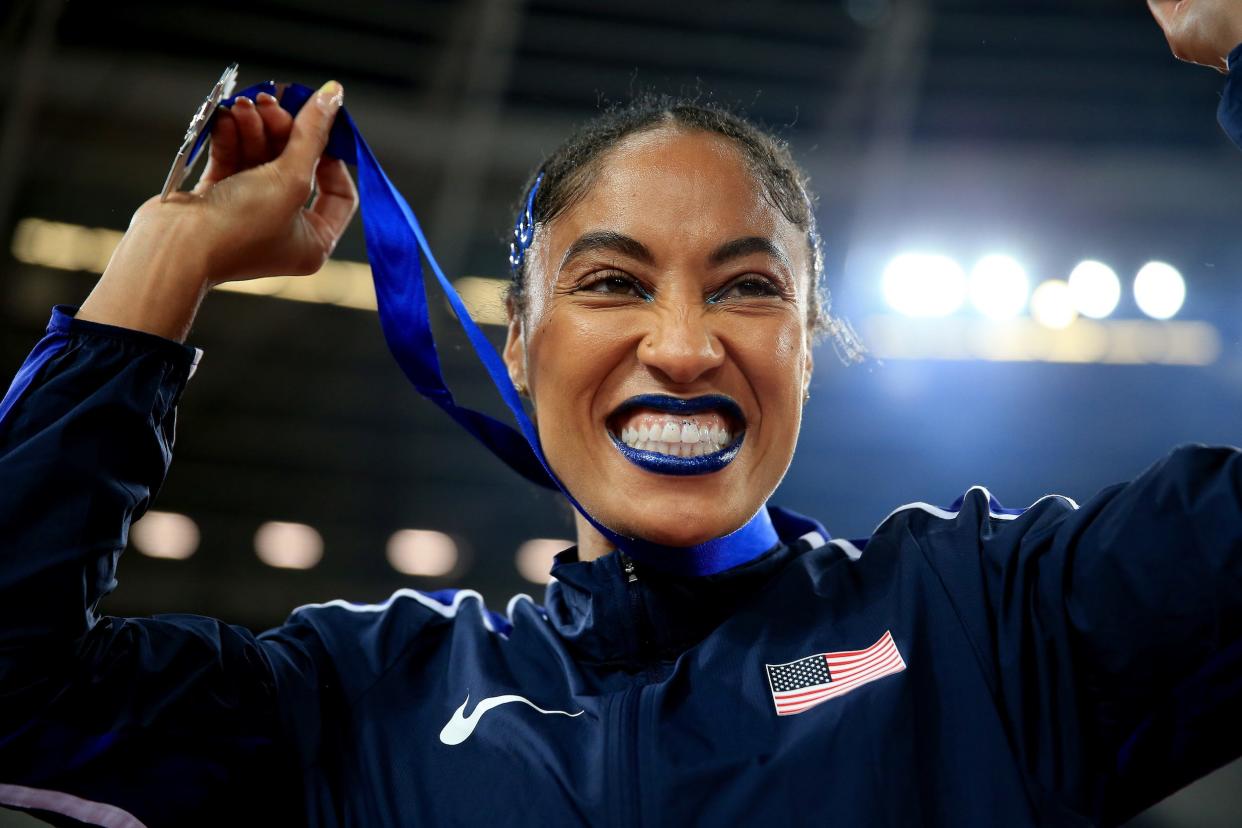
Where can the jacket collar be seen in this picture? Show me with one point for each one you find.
(613, 610)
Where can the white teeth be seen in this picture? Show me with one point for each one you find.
(677, 439)
(709, 442)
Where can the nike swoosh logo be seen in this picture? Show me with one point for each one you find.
(460, 726)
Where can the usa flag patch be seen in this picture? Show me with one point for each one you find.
(802, 684)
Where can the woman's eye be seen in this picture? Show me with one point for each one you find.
(615, 285)
(746, 288)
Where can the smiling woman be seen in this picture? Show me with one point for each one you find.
(675, 244)
(963, 665)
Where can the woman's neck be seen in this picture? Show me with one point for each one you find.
(591, 544)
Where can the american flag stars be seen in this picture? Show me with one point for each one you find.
(796, 675)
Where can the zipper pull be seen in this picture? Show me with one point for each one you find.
(628, 567)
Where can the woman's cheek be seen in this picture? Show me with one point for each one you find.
(570, 358)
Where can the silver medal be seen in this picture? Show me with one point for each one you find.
(186, 156)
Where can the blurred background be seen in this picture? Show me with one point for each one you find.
(1030, 216)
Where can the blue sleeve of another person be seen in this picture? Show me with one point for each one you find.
(169, 720)
(1230, 111)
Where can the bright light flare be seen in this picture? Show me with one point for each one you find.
(1052, 305)
(924, 284)
(288, 545)
(484, 298)
(422, 552)
(1159, 290)
(534, 558)
(999, 287)
(165, 535)
(1095, 289)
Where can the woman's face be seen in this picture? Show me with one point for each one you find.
(673, 283)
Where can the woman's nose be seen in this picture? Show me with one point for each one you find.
(681, 346)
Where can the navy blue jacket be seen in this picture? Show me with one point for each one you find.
(968, 665)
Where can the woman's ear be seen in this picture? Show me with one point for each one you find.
(515, 350)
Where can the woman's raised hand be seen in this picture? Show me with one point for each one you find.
(1200, 31)
(251, 199)
(247, 217)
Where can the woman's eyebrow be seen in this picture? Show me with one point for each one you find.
(608, 240)
(745, 246)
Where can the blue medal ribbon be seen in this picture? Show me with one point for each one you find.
(394, 242)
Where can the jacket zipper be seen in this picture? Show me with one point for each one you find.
(628, 565)
(630, 812)
(636, 614)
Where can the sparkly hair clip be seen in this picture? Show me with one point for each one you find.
(524, 228)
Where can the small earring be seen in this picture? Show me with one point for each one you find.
(806, 395)
(521, 388)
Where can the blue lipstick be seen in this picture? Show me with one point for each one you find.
(654, 461)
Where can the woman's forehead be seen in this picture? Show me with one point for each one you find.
(673, 186)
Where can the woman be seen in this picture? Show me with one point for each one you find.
(970, 666)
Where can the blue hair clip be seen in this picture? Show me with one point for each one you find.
(524, 228)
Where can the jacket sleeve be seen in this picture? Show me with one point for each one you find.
(1230, 111)
(170, 720)
(1112, 632)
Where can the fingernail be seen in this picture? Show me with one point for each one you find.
(330, 96)
(243, 102)
(266, 98)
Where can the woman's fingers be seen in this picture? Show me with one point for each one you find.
(276, 122)
(337, 200)
(250, 134)
(260, 222)
(1200, 31)
(253, 136)
(222, 160)
(308, 137)
(244, 136)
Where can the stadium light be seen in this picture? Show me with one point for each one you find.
(924, 284)
(422, 552)
(165, 535)
(1052, 305)
(1159, 290)
(998, 287)
(534, 558)
(1095, 289)
(288, 545)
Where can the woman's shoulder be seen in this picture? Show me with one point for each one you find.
(925, 534)
(411, 609)
(976, 511)
(362, 640)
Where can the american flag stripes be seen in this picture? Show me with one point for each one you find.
(802, 684)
